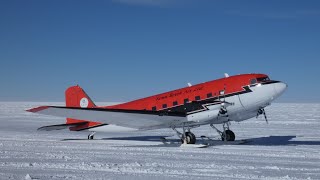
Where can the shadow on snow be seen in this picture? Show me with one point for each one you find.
(261, 141)
(279, 141)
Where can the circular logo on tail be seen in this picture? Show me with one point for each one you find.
(84, 102)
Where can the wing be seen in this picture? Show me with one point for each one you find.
(61, 126)
(138, 119)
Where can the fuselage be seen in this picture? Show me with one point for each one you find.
(242, 96)
(234, 98)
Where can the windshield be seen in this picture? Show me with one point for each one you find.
(263, 79)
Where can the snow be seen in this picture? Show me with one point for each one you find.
(286, 148)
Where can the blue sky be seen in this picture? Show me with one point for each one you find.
(125, 49)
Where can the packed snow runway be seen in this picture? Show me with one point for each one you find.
(286, 148)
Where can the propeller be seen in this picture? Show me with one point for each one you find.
(224, 104)
(262, 111)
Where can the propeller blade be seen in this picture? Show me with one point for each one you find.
(260, 111)
(265, 116)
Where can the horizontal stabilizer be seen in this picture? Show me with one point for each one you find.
(60, 126)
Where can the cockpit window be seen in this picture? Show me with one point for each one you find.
(263, 79)
(253, 81)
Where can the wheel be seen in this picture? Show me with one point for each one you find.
(90, 136)
(229, 136)
(191, 138)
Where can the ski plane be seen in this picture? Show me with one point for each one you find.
(232, 98)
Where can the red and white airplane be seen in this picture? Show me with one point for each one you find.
(234, 98)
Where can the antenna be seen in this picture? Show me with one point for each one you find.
(189, 84)
(226, 75)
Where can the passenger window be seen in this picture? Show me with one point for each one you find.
(197, 98)
(253, 81)
(209, 95)
(186, 101)
(164, 106)
(175, 103)
(154, 108)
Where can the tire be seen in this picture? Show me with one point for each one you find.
(191, 138)
(230, 136)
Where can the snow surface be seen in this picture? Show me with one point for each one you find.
(286, 148)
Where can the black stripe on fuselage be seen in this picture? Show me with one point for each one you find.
(159, 113)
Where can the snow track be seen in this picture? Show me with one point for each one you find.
(287, 148)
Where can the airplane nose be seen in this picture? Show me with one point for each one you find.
(280, 87)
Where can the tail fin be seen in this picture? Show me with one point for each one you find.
(77, 97)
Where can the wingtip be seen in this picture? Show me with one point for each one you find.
(41, 128)
(37, 109)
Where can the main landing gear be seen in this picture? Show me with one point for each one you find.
(186, 137)
(227, 134)
(190, 138)
(91, 135)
